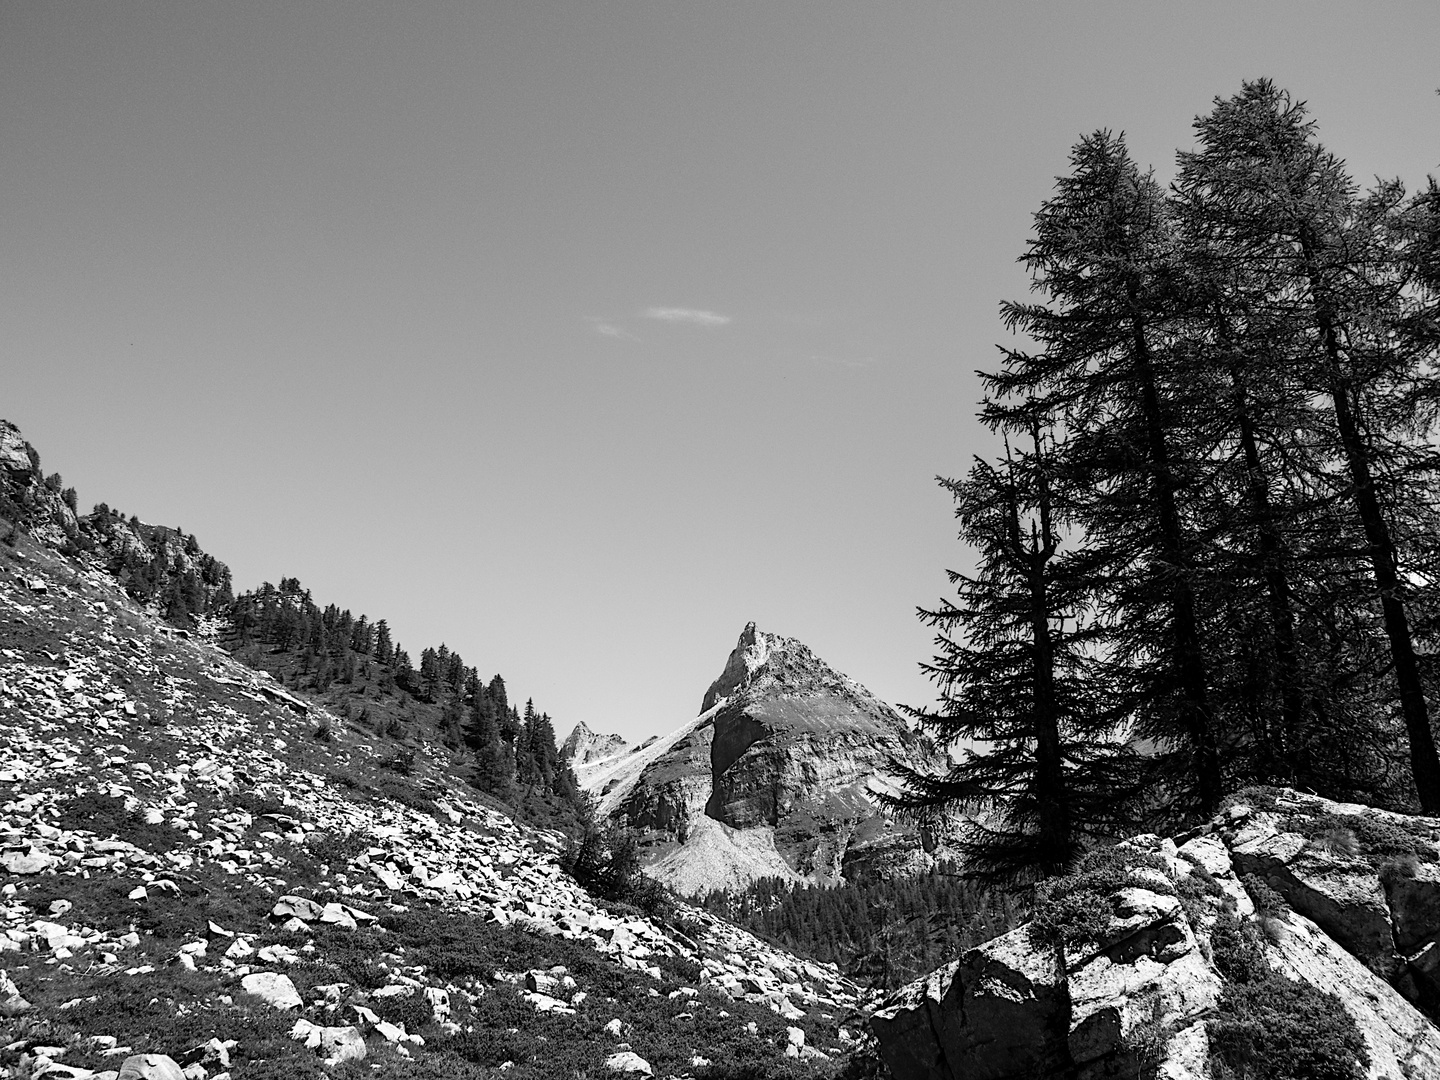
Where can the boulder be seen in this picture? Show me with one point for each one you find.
(298, 907)
(273, 988)
(627, 1061)
(1138, 999)
(150, 1067)
(336, 1044)
(11, 1003)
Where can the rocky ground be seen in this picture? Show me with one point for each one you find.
(1292, 937)
(204, 873)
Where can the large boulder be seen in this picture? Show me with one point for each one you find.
(1138, 995)
(150, 1067)
(272, 988)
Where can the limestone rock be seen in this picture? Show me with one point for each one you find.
(1004, 1011)
(627, 1061)
(150, 1067)
(584, 747)
(298, 907)
(336, 1044)
(273, 988)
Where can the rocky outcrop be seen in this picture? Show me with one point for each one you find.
(159, 566)
(777, 776)
(1336, 897)
(27, 498)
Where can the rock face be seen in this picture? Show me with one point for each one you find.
(25, 495)
(775, 777)
(1348, 903)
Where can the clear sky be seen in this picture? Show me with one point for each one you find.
(577, 335)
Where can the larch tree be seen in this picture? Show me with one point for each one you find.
(1107, 366)
(1040, 771)
(1343, 288)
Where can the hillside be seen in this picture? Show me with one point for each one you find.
(201, 863)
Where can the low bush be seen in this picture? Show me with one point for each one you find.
(1360, 836)
(1075, 910)
(1281, 1029)
(107, 817)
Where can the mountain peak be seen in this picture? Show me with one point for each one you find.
(583, 746)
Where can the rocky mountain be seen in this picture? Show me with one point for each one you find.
(1290, 937)
(776, 777)
(582, 746)
(204, 875)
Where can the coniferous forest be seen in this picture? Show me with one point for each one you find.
(1207, 549)
(370, 677)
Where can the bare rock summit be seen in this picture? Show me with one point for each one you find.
(776, 777)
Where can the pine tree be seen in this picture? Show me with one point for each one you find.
(1014, 678)
(1105, 366)
(1339, 293)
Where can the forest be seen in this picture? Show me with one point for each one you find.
(1206, 549)
(361, 671)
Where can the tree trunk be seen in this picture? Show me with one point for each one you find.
(1277, 586)
(1424, 761)
(1187, 657)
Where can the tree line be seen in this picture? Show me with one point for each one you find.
(1206, 554)
(883, 932)
(514, 755)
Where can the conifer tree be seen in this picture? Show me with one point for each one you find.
(1106, 366)
(1014, 679)
(1340, 292)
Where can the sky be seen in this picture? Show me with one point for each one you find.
(573, 335)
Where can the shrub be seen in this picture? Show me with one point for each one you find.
(1268, 902)
(1195, 890)
(1360, 835)
(1237, 951)
(106, 816)
(336, 849)
(606, 864)
(403, 762)
(1075, 909)
(1283, 1030)
(1399, 868)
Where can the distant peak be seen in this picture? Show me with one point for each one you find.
(583, 746)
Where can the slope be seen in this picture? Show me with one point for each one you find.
(202, 864)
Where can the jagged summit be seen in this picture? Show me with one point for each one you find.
(583, 746)
(775, 778)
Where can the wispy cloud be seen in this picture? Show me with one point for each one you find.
(685, 315)
(609, 329)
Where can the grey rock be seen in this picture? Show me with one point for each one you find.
(273, 988)
(150, 1067)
